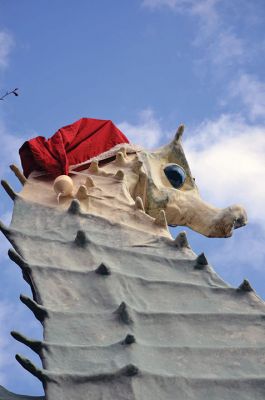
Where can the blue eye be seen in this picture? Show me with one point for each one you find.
(175, 174)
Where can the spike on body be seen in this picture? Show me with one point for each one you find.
(245, 286)
(129, 339)
(119, 175)
(102, 269)
(201, 262)
(82, 193)
(123, 314)
(30, 367)
(74, 207)
(94, 168)
(9, 190)
(161, 219)
(120, 159)
(81, 239)
(181, 240)
(22, 179)
(131, 370)
(123, 151)
(89, 182)
(34, 345)
(139, 204)
(39, 311)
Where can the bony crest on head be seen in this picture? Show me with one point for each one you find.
(89, 182)
(139, 204)
(82, 193)
(93, 168)
(120, 159)
(119, 175)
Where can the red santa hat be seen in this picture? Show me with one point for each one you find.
(71, 145)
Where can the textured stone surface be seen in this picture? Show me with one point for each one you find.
(195, 336)
(129, 313)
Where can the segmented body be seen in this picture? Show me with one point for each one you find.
(128, 312)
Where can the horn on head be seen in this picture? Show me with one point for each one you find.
(179, 133)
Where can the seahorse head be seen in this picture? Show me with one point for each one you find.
(126, 178)
(170, 186)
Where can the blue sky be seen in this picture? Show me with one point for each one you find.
(148, 65)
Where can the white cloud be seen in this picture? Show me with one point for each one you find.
(202, 8)
(220, 54)
(227, 158)
(227, 155)
(147, 132)
(161, 3)
(205, 10)
(250, 91)
(221, 46)
(227, 48)
(6, 44)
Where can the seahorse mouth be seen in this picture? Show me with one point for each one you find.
(228, 220)
(240, 222)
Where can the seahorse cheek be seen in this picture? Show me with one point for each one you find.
(173, 214)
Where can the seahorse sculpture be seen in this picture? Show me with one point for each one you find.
(127, 311)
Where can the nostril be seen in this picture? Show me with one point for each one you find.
(239, 222)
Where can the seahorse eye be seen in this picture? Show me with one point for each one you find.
(175, 174)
